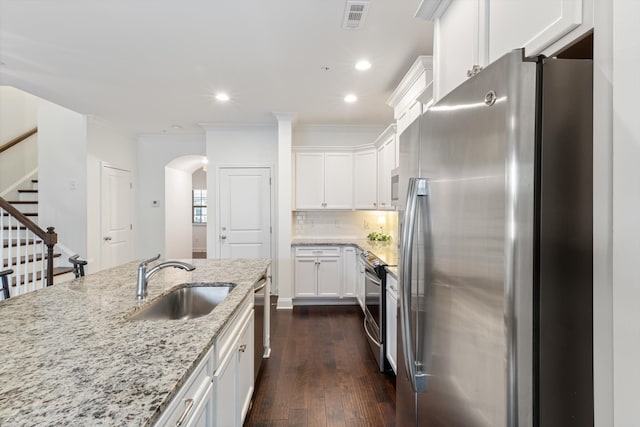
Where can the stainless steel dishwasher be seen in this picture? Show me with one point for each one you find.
(261, 301)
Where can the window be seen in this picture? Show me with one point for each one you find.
(199, 206)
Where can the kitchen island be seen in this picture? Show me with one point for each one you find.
(71, 356)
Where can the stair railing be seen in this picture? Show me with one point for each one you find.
(18, 139)
(26, 249)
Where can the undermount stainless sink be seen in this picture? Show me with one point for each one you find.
(187, 302)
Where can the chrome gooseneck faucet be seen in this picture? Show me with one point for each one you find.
(144, 275)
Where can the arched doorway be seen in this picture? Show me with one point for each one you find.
(179, 207)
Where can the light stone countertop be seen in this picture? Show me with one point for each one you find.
(386, 251)
(69, 356)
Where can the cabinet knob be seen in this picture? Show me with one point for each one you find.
(106, 239)
(242, 348)
(222, 237)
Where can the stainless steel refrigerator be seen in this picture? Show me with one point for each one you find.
(495, 269)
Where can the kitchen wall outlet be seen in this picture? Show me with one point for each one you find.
(155, 203)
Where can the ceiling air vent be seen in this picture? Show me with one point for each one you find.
(354, 14)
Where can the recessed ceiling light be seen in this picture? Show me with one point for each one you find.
(221, 96)
(363, 65)
(350, 99)
(177, 127)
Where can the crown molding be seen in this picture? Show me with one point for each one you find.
(418, 70)
(430, 10)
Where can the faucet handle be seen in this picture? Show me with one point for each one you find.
(144, 263)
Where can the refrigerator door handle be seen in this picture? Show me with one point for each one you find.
(417, 187)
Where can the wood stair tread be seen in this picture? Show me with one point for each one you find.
(27, 191)
(23, 242)
(23, 202)
(57, 271)
(25, 214)
(13, 227)
(38, 257)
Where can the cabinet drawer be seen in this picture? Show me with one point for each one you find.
(183, 405)
(317, 251)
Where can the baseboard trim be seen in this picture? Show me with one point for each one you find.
(325, 301)
(284, 304)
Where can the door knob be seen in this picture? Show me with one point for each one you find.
(107, 238)
(222, 237)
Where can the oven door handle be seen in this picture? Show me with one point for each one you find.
(366, 331)
(373, 278)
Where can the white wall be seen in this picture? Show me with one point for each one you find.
(602, 216)
(343, 224)
(153, 153)
(116, 147)
(62, 172)
(18, 114)
(227, 145)
(334, 135)
(626, 212)
(178, 228)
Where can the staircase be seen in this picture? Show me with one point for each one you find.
(26, 248)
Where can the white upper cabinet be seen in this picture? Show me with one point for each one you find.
(365, 177)
(459, 44)
(534, 25)
(387, 161)
(309, 180)
(324, 180)
(338, 181)
(470, 34)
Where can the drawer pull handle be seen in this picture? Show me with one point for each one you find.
(243, 348)
(188, 404)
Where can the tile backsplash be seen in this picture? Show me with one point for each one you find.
(343, 224)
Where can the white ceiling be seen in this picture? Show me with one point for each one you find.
(146, 65)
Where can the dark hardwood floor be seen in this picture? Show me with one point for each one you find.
(321, 373)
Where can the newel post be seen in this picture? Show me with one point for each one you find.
(50, 241)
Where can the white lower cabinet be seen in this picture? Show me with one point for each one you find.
(391, 334)
(318, 271)
(349, 268)
(233, 379)
(203, 413)
(360, 285)
(218, 392)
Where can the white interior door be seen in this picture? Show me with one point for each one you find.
(245, 213)
(116, 216)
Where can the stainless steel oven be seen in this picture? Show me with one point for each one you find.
(374, 313)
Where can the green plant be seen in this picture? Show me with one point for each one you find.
(379, 236)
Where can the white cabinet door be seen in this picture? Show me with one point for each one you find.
(360, 286)
(309, 180)
(391, 334)
(203, 413)
(533, 24)
(233, 380)
(365, 180)
(459, 43)
(329, 277)
(244, 370)
(338, 181)
(349, 265)
(305, 276)
(226, 392)
(386, 163)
